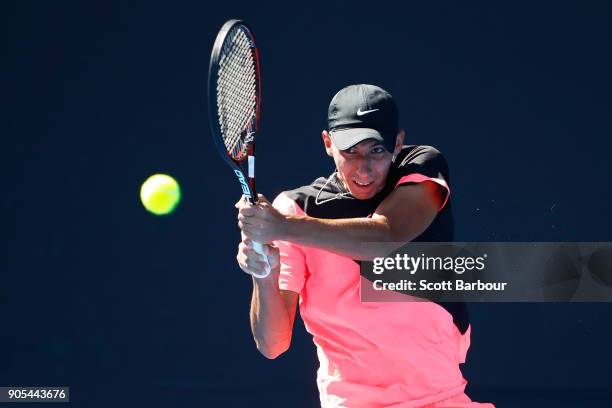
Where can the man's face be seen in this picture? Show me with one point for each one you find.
(363, 168)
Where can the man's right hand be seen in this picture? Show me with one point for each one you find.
(251, 262)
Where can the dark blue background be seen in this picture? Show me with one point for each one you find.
(102, 296)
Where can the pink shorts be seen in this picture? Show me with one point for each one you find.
(459, 401)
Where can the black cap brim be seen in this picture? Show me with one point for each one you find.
(346, 138)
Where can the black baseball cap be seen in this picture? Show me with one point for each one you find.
(360, 112)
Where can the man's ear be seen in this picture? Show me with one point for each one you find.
(399, 142)
(327, 142)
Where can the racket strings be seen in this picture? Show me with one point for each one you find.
(237, 92)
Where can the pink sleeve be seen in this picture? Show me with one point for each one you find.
(419, 178)
(293, 262)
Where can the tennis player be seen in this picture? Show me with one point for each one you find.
(388, 354)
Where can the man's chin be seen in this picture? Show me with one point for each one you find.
(363, 195)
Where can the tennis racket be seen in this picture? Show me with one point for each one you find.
(234, 94)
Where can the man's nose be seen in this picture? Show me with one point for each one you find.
(364, 168)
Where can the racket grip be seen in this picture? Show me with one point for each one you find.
(258, 247)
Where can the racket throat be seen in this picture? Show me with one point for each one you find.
(246, 189)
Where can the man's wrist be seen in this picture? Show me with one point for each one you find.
(267, 284)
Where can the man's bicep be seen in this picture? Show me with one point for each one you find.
(410, 209)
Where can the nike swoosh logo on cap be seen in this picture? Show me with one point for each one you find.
(361, 113)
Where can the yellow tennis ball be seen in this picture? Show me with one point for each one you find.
(160, 194)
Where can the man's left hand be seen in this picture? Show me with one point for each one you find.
(261, 222)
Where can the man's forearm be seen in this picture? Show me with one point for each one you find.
(343, 236)
(401, 217)
(271, 323)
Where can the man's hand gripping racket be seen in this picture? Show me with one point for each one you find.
(234, 94)
(261, 249)
(249, 258)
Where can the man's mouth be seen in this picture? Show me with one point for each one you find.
(360, 184)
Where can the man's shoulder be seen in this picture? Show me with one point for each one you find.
(418, 155)
(294, 201)
(306, 190)
(411, 151)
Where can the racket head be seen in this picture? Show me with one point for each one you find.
(234, 95)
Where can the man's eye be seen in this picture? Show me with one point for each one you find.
(378, 150)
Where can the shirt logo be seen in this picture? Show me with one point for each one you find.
(365, 112)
